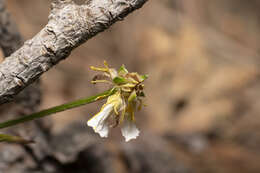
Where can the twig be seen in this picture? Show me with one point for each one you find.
(10, 41)
(69, 26)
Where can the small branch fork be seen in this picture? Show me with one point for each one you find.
(69, 26)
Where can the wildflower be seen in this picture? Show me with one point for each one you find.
(129, 129)
(100, 122)
(121, 106)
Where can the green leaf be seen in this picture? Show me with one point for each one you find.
(119, 80)
(14, 139)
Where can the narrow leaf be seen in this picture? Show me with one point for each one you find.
(14, 139)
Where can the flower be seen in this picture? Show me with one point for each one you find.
(120, 106)
(100, 122)
(129, 130)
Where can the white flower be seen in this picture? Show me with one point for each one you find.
(99, 122)
(129, 92)
(115, 104)
(129, 130)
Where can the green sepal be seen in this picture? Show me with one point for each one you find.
(119, 80)
(122, 70)
(132, 96)
(143, 77)
(14, 139)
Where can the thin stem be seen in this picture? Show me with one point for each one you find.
(56, 109)
(14, 139)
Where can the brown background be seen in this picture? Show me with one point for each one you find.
(203, 93)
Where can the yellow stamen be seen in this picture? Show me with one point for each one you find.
(122, 117)
(128, 85)
(132, 80)
(99, 69)
(100, 81)
(115, 108)
(126, 89)
(106, 64)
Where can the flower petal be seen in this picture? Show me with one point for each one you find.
(129, 130)
(113, 73)
(103, 130)
(99, 123)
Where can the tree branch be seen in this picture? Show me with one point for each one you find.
(10, 41)
(69, 26)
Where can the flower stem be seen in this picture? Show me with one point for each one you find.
(56, 109)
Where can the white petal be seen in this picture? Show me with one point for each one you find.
(113, 73)
(103, 131)
(99, 123)
(129, 130)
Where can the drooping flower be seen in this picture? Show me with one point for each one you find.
(100, 122)
(129, 129)
(120, 106)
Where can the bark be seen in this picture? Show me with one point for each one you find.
(10, 41)
(69, 26)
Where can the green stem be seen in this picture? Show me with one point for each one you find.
(14, 139)
(56, 109)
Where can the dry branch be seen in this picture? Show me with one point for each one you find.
(69, 26)
(10, 41)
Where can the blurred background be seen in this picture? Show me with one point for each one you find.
(203, 92)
